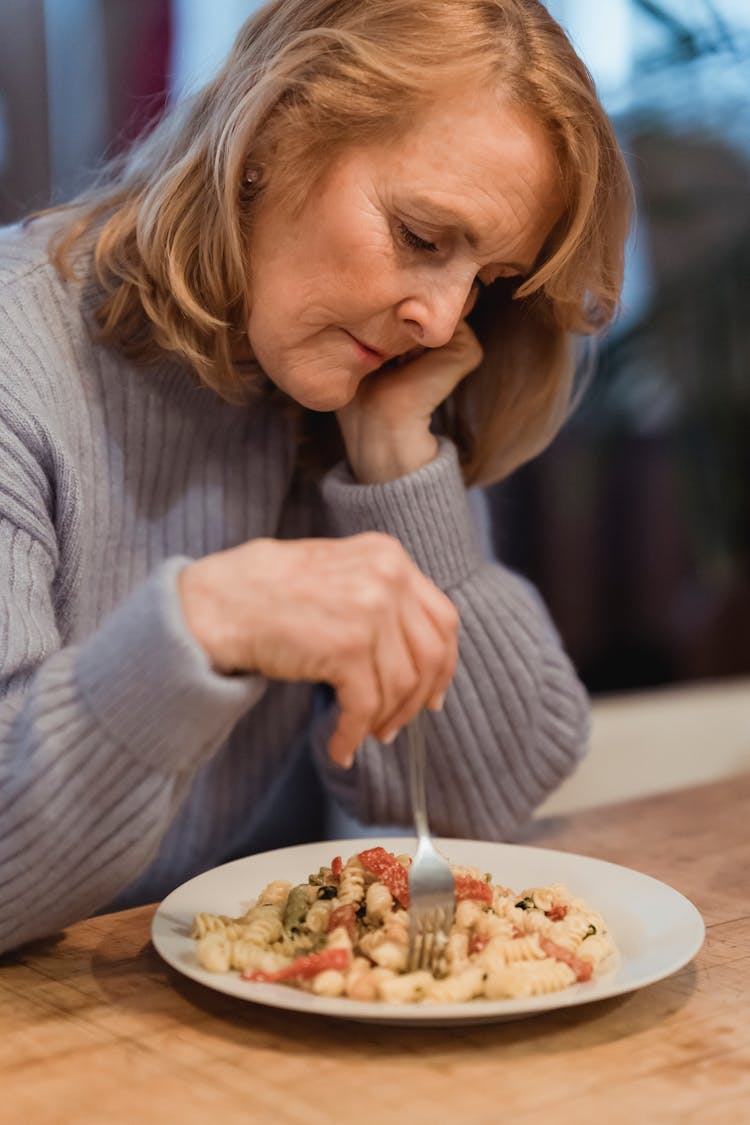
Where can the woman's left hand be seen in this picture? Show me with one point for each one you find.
(386, 426)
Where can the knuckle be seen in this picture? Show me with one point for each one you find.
(390, 561)
(372, 598)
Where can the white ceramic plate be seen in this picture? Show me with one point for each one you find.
(656, 929)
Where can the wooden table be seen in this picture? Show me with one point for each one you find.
(95, 1028)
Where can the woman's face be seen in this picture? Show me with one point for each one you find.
(386, 252)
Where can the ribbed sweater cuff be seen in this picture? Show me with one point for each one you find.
(149, 684)
(427, 511)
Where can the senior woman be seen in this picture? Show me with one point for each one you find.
(245, 382)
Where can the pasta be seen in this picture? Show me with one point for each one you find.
(344, 933)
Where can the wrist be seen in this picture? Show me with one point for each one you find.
(391, 455)
(203, 606)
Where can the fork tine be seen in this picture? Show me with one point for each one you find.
(431, 886)
(415, 946)
(446, 921)
(428, 943)
(416, 941)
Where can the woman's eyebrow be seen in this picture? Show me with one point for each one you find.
(454, 219)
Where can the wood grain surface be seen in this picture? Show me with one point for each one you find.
(95, 1028)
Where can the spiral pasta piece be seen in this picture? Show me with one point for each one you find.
(527, 978)
(343, 934)
(352, 883)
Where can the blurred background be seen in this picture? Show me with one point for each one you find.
(635, 524)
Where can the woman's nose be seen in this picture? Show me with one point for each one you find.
(433, 317)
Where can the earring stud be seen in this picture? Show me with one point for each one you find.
(253, 175)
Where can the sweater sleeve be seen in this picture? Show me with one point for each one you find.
(98, 740)
(515, 720)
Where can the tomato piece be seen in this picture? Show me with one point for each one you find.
(337, 866)
(304, 968)
(582, 969)
(556, 912)
(466, 887)
(344, 916)
(389, 871)
(477, 942)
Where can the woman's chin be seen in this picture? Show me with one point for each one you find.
(332, 392)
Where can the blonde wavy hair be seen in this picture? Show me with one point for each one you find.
(306, 80)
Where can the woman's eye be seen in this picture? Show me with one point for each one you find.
(408, 238)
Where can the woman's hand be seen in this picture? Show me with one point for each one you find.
(386, 426)
(355, 613)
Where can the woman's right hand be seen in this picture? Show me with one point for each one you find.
(355, 613)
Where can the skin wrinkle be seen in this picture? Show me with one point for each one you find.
(528, 207)
(341, 267)
(521, 214)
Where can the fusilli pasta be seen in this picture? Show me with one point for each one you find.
(345, 933)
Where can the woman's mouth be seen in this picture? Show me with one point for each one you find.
(366, 351)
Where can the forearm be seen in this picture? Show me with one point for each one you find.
(514, 725)
(515, 720)
(97, 748)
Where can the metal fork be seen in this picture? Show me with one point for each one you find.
(431, 885)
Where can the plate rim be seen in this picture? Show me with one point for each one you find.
(477, 1011)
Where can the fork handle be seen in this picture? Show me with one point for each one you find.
(415, 733)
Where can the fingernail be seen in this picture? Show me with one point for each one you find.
(437, 703)
(391, 737)
(348, 762)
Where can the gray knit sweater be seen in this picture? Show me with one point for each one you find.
(126, 764)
